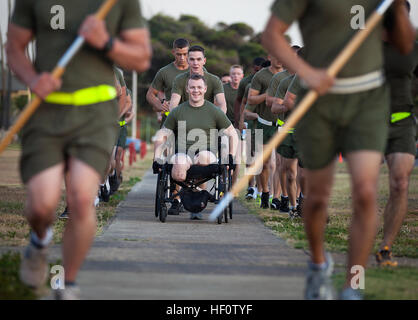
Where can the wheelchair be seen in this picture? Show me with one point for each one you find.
(196, 176)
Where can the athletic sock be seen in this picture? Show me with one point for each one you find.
(317, 266)
(285, 197)
(41, 243)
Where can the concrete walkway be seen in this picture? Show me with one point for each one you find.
(138, 257)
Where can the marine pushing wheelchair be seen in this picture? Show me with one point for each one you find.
(193, 198)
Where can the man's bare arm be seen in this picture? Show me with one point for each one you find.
(233, 141)
(155, 102)
(161, 137)
(274, 41)
(278, 106)
(175, 100)
(17, 41)
(131, 50)
(248, 115)
(402, 36)
(220, 101)
(254, 97)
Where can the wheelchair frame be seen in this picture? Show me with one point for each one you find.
(166, 185)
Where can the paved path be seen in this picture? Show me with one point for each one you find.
(138, 257)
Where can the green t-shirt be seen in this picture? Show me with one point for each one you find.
(399, 73)
(274, 83)
(261, 82)
(163, 80)
(89, 67)
(204, 118)
(213, 82)
(326, 29)
(230, 97)
(283, 88)
(243, 85)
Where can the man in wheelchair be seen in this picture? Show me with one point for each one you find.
(188, 144)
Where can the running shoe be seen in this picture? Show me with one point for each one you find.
(318, 281)
(175, 208)
(104, 193)
(275, 204)
(64, 214)
(284, 204)
(250, 194)
(34, 266)
(265, 200)
(71, 292)
(384, 258)
(350, 294)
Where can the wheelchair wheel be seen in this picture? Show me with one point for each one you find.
(160, 206)
(157, 208)
(229, 189)
(163, 213)
(225, 188)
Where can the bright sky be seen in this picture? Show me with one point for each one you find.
(253, 12)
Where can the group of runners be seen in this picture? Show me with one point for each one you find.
(73, 137)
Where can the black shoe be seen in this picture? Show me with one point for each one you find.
(265, 197)
(293, 213)
(113, 182)
(250, 194)
(299, 207)
(275, 204)
(104, 193)
(284, 204)
(175, 208)
(64, 214)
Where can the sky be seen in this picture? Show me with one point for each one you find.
(253, 12)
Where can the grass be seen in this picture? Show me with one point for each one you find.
(14, 229)
(401, 283)
(336, 235)
(387, 284)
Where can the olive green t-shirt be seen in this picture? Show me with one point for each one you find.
(213, 83)
(261, 82)
(399, 73)
(163, 80)
(326, 29)
(243, 85)
(274, 83)
(204, 118)
(230, 97)
(250, 107)
(89, 67)
(283, 88)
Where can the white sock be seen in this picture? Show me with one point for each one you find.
(45, 241)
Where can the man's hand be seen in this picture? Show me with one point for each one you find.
(165, 106)
(156, 167)
(43, 84)
(93, 30)
(319, 80)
